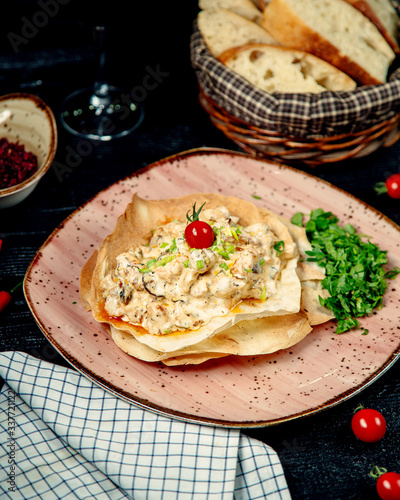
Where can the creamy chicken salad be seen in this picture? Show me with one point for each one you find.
(167, 286)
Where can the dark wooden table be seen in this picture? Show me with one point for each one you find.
(320, 456)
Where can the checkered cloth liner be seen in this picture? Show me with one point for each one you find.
(299, 115)
(62, 437)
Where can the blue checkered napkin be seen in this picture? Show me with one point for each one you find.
(62, 437)
(300, 115)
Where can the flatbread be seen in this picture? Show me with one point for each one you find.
(253, 327)
(246, 338)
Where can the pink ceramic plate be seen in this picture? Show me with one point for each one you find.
(321, 371)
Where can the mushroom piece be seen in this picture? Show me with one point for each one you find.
(153, 285)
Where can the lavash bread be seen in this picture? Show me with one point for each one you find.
(244, 8)
(279, 69)
(223, 29)
(332, 30)
(383, 15)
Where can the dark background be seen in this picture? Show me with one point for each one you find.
(320, 456)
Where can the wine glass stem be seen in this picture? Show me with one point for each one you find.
(100, 82)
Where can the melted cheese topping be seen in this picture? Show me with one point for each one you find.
(166, 286)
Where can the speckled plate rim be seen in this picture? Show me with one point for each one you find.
(151, 406)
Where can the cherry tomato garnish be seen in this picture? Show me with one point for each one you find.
(368, 425)
(198, 234)
(391, 186)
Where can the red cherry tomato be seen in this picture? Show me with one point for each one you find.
(368, 425)
(199, 234)
(5, 299)
(388, 486)
(393, 186)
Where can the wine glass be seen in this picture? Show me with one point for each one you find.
(100, 112)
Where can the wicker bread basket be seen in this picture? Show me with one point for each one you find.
(312, 129)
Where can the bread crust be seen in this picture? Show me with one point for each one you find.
(223, 28)
(289, 29)
(364, 7)
(342, 80)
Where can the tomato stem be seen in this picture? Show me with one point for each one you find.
(380, 187)
(377, 472)
(16, 287)
(195, 214)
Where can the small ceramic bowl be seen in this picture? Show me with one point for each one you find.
(25, 119)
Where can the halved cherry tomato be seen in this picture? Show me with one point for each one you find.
(198, 234)
(368, 425)
(391, 186)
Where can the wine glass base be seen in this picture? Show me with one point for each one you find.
(100, 118)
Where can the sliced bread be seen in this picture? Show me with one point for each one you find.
(245, 8)
(383, 15)
(223, 29)
(260, 4)
(279, 69)
(332, 30)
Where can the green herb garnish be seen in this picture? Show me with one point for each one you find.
(355, 275)
(200, 264)
(164, 261)
(234, 233)
(195, 213)
(264, 293)
(279, 247)
(173, 248)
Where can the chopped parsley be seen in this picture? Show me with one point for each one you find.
(355, 274)
(279, 247)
